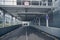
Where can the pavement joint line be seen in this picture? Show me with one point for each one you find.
(50, 36)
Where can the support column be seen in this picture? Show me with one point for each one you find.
(47, 3)
(47, 18)
(11, 20)
(53, 2)
(39, 21)
(3, 19)
(14, 21)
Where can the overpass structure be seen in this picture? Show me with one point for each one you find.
(38, 12)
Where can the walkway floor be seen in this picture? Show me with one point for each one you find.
(26, 33)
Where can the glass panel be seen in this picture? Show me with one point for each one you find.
(1, 3)
(8, 3)
(15, 0)
(40, 2)
(8, 0)
(18, 2)
(14, 3)
(43, 20)
(35, 3)
(1, 0)
(13, 20)
(16, 22)
(30, 2)
(44, 4)
(55, 0)
(1, 19)
(43, 0)
(7, 20)
(49, 3)
(49, 0)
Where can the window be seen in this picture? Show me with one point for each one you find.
(49, 3)
(0, 0)
(55, 0)
(43, 0)
(40, 2)
(19, 3)
(8, 0)
(49, 0)
(44, 4)
(35, 3)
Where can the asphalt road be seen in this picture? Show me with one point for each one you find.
(26, 33)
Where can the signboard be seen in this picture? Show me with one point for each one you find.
(47, 17)
(26, 3)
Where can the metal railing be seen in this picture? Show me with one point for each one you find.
(32, 3)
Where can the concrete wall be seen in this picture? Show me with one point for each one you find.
(55, 19)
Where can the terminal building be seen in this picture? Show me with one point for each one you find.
(29, 20)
